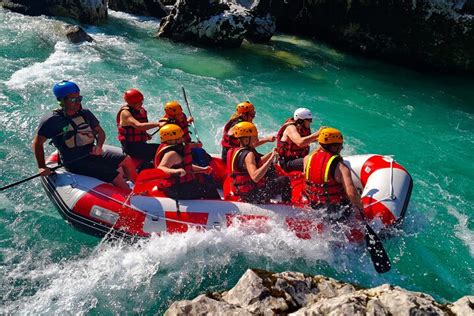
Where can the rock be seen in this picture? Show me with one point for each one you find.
(425, 34)
(215, 23)
(85, 11)
(463, 306)
(203, 305)
(75, 34)
(153, 8)
(265, 293)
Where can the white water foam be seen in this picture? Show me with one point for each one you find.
(461, 230)
(119, 271)
(64, 63)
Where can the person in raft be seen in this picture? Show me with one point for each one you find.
(328, 180)
(174, 115)
(248, 169)
(244, 112)
(174, 157)
(74, 131)
(132, 124)
(294, 138)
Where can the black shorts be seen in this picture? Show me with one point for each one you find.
(102, 167)
(143, 151)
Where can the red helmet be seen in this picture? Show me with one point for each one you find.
(133, 96)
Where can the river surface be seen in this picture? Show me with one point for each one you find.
(425, 121)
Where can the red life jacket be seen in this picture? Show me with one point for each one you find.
(186, 164)
(130, 134)
(321, 187)
(230, 141)
(287, 149)
(182, 122)
(241, 182)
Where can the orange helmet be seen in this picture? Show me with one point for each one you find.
(330, 135)
(245, 129)
(172, 108)
(170, 132)
(244, 107)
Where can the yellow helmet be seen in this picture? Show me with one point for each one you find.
(172, 108)
(170, 132)
(330, 135)
(244, 107)
(245, 129)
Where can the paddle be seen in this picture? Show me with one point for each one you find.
(189, 110)
(376, 249)
(39, 174)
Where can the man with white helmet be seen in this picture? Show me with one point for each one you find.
(293, 140)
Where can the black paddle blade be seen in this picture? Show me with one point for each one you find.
(377, 252)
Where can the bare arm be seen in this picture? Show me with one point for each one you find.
(296, 138)
(170, 159)
(38, 150)
(199, 169)
(126, 119)
(343, 175)
(257, 174)
(264, 140)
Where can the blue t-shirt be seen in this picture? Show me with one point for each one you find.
(55, 125)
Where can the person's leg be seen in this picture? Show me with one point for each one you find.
(100, 168)
(129, 169)
(119, 182)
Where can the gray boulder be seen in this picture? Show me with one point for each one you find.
(75, 34)
(215, 23)
(85, 11)
(260, 292)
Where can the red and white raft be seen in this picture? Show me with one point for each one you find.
(101, 209)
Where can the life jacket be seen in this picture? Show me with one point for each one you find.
(130, 134)
(241, 182)
(181, 122)
(321, 187)
(77, 134)
(227, 140)
(288, 149)
(185, 152)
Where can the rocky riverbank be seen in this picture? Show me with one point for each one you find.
(424, 34)
(260, 292)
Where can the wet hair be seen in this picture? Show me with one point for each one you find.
(328, 147)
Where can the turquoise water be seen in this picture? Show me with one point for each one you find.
(426, 121)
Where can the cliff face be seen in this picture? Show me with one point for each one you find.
(264, 293)
(85, 11)
(427, 34)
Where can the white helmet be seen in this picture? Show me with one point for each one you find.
(302, 114)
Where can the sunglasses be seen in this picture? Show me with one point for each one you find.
(309, 120)
(75, 99)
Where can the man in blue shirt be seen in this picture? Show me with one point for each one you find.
(76, 133)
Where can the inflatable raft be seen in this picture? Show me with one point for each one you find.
(100, 209)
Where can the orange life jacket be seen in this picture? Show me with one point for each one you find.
(321, 188)
(227, 140)
(187, 164)
(182, 122)
(241, 182)
(130, 134)
(287, 149)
